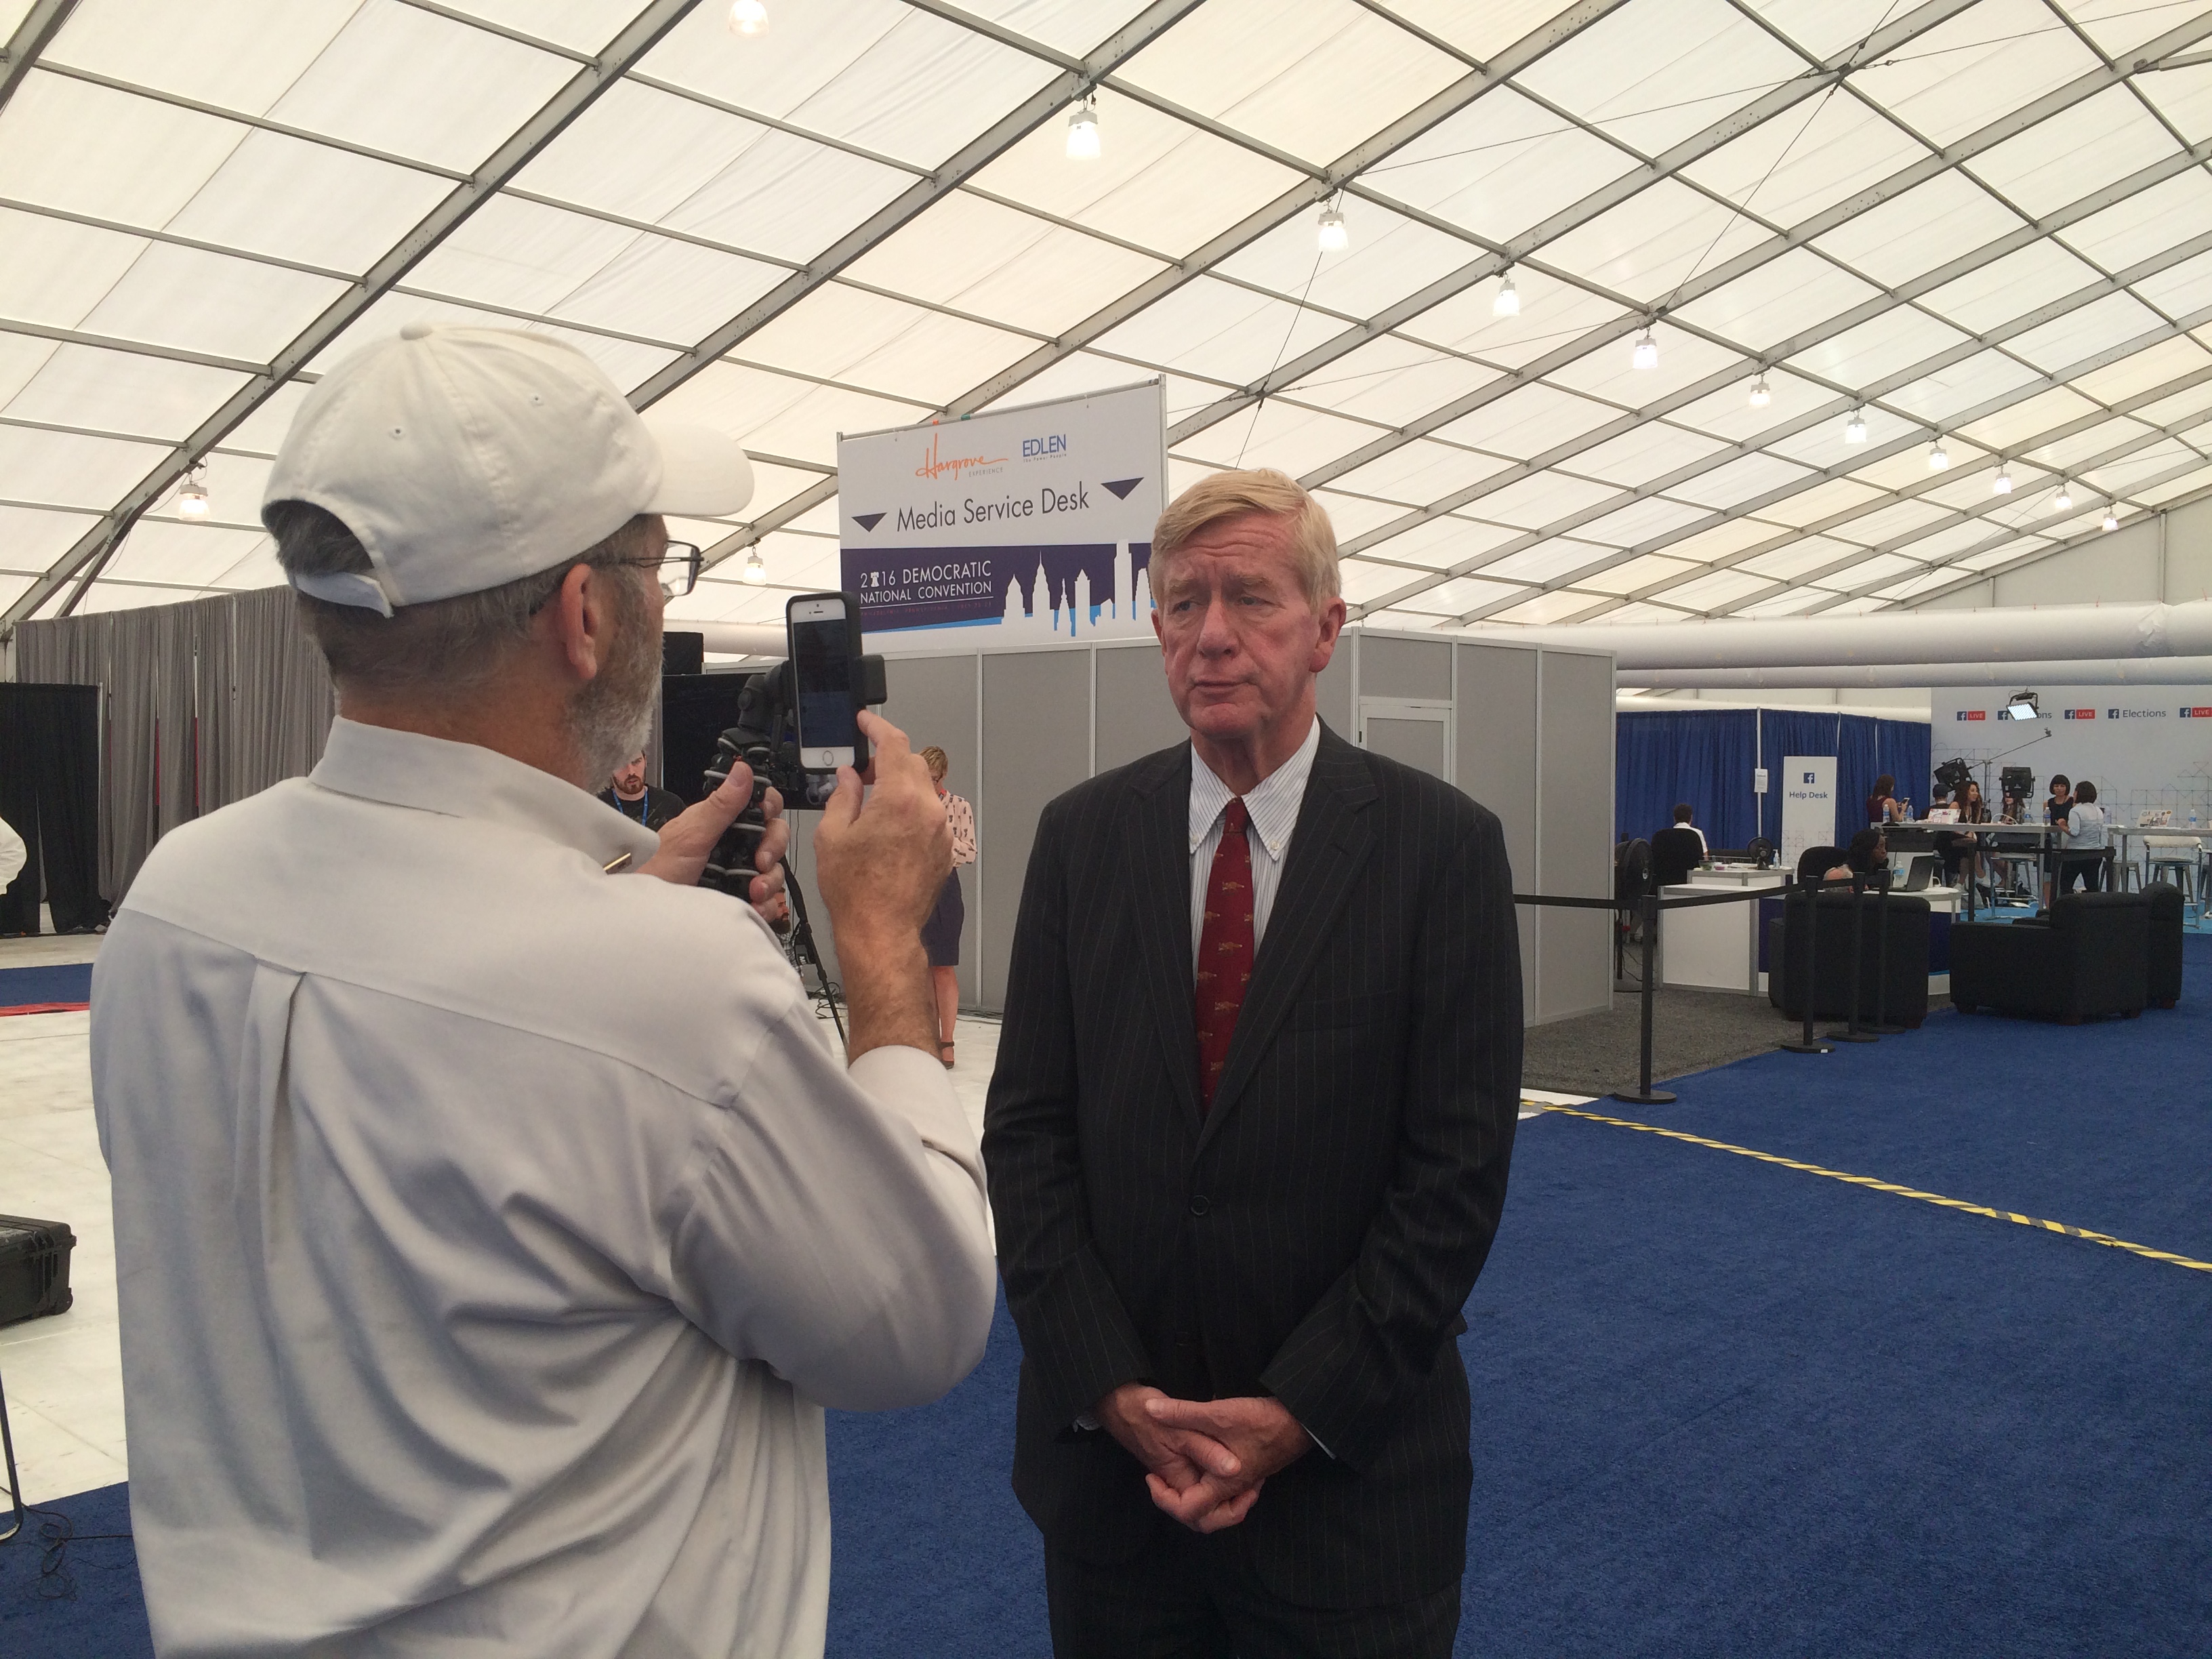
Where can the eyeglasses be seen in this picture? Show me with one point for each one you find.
(678, 566)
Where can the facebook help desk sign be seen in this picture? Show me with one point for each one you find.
(1808, 805)
(1023, 526)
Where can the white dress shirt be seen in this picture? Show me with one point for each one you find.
(1272, 806)
(488, 1229)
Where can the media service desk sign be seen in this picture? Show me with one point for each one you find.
(1022, 526)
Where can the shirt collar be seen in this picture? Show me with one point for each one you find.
(464, 780)
(1273, 802)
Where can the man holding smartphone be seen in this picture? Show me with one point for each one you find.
(493, 1218)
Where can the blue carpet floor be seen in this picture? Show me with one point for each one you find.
(65, 981)
(1726, 1408)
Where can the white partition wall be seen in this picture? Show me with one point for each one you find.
(1527, 731)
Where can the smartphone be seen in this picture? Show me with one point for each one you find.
(824, 629)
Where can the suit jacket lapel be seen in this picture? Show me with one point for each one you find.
(1327, 850)
(1156, 833)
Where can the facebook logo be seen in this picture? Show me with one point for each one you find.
(1808, 777)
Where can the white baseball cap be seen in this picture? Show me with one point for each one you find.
(463, 459)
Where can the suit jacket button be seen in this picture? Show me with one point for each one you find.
(1198, 1204)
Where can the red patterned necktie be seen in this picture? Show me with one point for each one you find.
(1224, 950)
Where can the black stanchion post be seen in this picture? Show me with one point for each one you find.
(1808, 1044)
(1645, 1095)
(1852, 1031)
(1881, 1027)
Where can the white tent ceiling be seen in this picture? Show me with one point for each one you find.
(1984, 220)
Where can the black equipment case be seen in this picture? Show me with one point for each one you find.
(34, 1258)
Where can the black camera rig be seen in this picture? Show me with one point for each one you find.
(766, 739)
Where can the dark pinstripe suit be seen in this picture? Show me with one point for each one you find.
(1315, 1235)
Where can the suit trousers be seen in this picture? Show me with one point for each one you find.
(1187, 1595)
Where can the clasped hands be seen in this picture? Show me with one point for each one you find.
(1205, 1459)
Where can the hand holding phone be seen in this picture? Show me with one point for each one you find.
(825, 651)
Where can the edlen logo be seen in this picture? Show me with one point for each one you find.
(1973, 714)
(2080, 714)
(1052, 444)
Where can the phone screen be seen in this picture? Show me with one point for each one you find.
(821, 660)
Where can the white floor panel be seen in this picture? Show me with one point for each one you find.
(63, 1374)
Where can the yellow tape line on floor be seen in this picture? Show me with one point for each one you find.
(2143, 1251)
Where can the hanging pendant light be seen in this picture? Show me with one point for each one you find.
(1760, 397)
(2065, 499)
(193, 496)
(1646, 354)
(1938, 456)
(1507, 301)
(1332, 236)
(756, 567)
(2002, 485)
(1083, 132)
(748, 17)
(2111, 519)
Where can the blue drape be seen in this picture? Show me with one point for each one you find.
(1705, 759)
(1864, 749)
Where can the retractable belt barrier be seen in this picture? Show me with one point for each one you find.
(1648, 907)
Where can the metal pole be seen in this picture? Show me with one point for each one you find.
(1645, 1095)
(1852, 1031)
(1881, 1027)
(1807, 1044)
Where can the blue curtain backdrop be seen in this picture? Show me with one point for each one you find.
(1864, 749)
(1706, 757)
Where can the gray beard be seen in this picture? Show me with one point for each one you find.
(612, 718)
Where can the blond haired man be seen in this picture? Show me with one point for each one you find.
(1247, 1140)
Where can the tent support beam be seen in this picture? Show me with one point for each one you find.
(84, 560)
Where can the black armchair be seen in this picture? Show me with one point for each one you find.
(2162, 946)
(1902, 1000)
(2085, 957)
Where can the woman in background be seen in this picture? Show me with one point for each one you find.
(1868, 853)
(1964, 856)
(940, 934)
(2085, 841)
(1881, 806)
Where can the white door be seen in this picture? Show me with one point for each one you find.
(1416, 732)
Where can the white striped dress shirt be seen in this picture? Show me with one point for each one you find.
(1273, 803)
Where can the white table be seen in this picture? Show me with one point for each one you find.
(1714, 947)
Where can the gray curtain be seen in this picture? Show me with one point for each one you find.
(204, 704)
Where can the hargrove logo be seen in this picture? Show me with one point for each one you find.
(1973, 714)
(938, 465)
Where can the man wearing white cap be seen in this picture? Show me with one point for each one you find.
(491, 1228)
